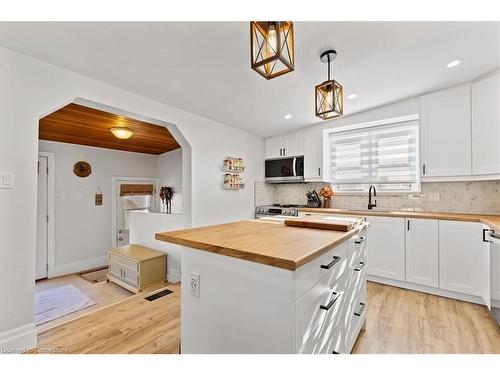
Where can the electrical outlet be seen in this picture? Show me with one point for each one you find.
(194, 284)
(433, 197)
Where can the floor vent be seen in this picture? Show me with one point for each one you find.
(163, 293)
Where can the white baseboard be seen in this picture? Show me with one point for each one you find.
(18, 340)
(79, 266)
(174, 276)
(426, 289)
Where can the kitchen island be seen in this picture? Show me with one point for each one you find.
(260, 287)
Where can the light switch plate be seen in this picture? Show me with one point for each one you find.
(6, 180)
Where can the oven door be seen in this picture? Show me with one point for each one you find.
(285, 170)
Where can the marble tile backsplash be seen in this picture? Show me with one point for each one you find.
(467, 197)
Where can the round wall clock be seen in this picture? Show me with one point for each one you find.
(82, 169)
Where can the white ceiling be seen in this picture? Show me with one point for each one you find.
(204, 67)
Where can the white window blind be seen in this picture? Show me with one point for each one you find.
(384, 156)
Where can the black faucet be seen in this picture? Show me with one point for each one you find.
(370, 204)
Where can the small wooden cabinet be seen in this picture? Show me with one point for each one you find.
(135, 267)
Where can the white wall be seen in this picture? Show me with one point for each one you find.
(170, 174)
(82, 230)
(143, 227)
(30, 89)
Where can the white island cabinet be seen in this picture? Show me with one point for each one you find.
(233, 302)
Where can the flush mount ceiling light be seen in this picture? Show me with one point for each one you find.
(329, 94)
(288, 116)
(352, 96)
(122, 133)
(453, 63)
(271, 47)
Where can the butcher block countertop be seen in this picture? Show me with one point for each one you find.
(493, 221)
(273, 244)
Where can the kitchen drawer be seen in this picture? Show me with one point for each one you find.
(330, 263)
(318, 315)
(355, 306)
(357, 244)
(124, 261)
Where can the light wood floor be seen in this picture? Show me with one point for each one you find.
(398, 321)
(102, 293)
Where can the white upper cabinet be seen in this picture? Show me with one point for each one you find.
(284, 146)
(315, 158)
(461, 266)
(422, 252)
(293, 144)
(386, 247)
(486, 125)
(445, 133)
(274, 147)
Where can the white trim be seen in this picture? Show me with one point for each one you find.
(114, 181)
(485, 177)
(174, 276)
(370, 124)
(426, 289)
(78, 266)
(18, 340)
(51, 211)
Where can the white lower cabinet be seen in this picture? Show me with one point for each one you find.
(386, 247)
(459, 257)
(422, 252)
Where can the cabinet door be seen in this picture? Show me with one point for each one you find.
(422, 252)
(460, 265)
(445, 133)
(293, 144)
(274, 147)
(386, 247)
(313, 156)
(495, 272)
(486, 126)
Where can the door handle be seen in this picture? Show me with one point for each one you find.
(281, 152)
(360, 311)
(331, 303)
(361, 266)
(423, 168)
(319, 171)
(331, 264)
(484, 235)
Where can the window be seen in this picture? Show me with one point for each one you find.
(384, 155)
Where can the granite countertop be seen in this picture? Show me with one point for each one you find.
(273, 244)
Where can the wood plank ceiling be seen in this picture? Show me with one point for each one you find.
(82, 125)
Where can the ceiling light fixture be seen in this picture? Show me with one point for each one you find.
(352, 96)
(288, 116)
(271, 48)
(122, 133)
(454, 63)
(329, 95)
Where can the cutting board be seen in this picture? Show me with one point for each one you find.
(337, 223)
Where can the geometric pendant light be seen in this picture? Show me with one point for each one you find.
(329, 95)
(271, 48)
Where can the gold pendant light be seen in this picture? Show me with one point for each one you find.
(271, 44)
(329, 95)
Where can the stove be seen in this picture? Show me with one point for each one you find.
(278, 209)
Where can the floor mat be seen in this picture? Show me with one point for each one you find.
(53, 303)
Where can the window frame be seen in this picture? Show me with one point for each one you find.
(415, 189)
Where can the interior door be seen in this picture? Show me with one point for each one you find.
(127, 204)
(42, 220)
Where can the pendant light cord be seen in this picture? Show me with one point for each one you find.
(328, 56)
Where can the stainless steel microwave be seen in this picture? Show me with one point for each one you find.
(283, 170)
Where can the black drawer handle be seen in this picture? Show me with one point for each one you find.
(484, 235)
(360, 309)
(360, 240)
(361, 266)
(331, 303)
(331, 264)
